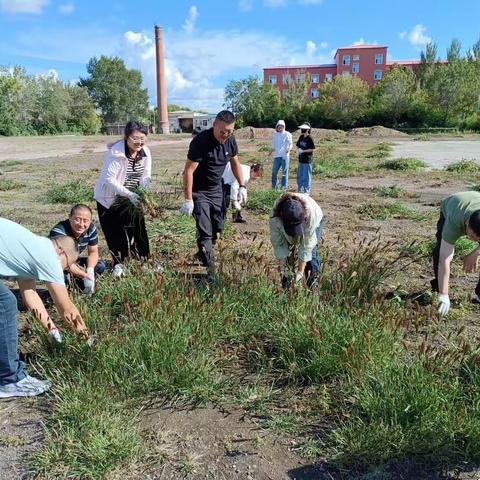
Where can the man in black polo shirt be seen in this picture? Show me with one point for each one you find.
(208, 154)
(79, 226)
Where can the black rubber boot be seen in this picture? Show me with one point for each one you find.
(237, 217)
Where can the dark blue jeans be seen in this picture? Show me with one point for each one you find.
(12, 370)
(283, 163)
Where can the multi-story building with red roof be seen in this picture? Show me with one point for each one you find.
(368, 62)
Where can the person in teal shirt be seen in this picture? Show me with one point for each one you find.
(459, 216)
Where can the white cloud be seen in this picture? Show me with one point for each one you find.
(23, 6)
(361, 41)
(197, 70)
(66, 8)
(311, 47)
(323, 44)
(245, 5)
(417, 36)
(189, 25)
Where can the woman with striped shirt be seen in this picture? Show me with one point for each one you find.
(127, 166)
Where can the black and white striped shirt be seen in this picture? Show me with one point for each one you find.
(135, 169)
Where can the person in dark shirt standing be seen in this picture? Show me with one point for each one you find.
(305, 147)
(208, 154)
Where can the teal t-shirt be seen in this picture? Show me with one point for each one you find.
(457, 209)
(26, 255)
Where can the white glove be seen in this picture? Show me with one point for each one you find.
(443, 304)
(89, 281)
(134, 198)
(298, 277)
(187, 207)
(299, 151)
(242, 195)
(236, 205)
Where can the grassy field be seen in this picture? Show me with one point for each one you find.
(361, 377)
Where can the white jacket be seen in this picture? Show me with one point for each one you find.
(114, 172)
(282, 143)
(229, 179)
(308, 241)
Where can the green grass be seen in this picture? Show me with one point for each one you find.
(11, 163)
(385, 211)
(261, 201)
(404, 164)
(464, 167)
(7, 184)
(380, 151)
(464, 246)
(393, 191)
(75, 191)
(264, 147)
(334, 167)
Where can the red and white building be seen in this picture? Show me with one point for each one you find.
(368, 62)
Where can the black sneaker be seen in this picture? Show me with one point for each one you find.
(200, 258)
(237, 218)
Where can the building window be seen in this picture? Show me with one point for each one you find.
(300, 78)
(378, 59)
(272, 79)
(315, 78)
(205, 123)
(346, 59)
(345, 73)
(315, 93)
(355, 68)
(377, 75)
(328, 77)
(287, 79)
(356, 58)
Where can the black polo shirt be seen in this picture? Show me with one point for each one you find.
(88, 239)
(305, 143)
(212, 157)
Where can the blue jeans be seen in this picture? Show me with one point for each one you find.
(312, 269)
(283, 163)
(304, 177)
(12, 370)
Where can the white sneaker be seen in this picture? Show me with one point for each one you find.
(55, 335)
(118, 270)
(26, 387)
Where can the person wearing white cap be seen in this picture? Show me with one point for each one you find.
(305, 148)
(282, 144)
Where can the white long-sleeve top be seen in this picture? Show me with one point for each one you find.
(282, 143)
(229, 179)
(308, 241)
(114, 172)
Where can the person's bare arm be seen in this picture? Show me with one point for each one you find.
(237, 170)
(77, 271)
(445, 259)
(34, 303)
(190, 167)
(93, 256)
(66, 308)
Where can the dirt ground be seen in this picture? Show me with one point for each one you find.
(220, 442)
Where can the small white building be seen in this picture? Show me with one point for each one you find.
(186, 121)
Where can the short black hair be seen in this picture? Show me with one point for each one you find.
(257, 168)
(133, 125)
(80, 206)
(226, 116)
(474, 222)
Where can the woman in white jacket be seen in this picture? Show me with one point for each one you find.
(127, 166)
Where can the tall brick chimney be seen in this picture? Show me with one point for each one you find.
(163, 125)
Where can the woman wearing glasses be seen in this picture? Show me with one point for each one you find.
(127, 166)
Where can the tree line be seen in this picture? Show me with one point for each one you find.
(43, 104)
(433, 94)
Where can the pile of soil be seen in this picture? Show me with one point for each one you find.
(377, 131)
(323, 134)
(253, 133)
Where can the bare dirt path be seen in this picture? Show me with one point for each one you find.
(438, 154)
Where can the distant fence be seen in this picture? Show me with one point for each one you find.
(119, 128)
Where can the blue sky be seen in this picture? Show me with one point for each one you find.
(209, 42)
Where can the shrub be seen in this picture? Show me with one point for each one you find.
(75, 191)
(464, 167)
(381, 150)
(333, 167)
(9, 184)
(404, 164)
(394, 191)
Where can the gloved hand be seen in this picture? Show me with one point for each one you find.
(298, 277)
(299, 151)
(236, 205)
(89, 281)
(134, 198)
(242, 195)
(443, 304)
(187, 207)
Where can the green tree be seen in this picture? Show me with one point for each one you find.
(343, 101)
(254, 102)
(82, 115)
(116, 90)
(453, 51)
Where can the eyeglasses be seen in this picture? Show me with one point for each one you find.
(137, 139)
(226, 132)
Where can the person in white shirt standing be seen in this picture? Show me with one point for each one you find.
(282, 144)
(231, 186)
